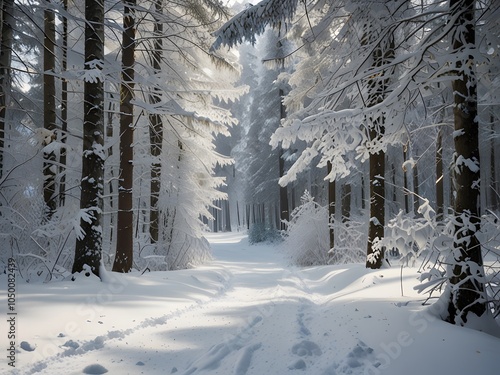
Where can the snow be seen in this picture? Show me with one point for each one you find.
(245, 312)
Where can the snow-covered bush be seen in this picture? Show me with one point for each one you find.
(306, 239)
(425, 240)
(350, 241)
(409, 236)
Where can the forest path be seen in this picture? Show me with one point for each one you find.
(245, 313)
(269, 307)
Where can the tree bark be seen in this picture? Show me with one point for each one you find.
(466, 281)
(377, 206)
(494, 185)
(7, 19)
(331, 209)
(156, 126)
(88, 248)
(377, 84)
(49, 111)
(346, 202)
(405, 179)
(284, 210)
(416, 195)
(64, 109)
(125, 227)
(439, 178)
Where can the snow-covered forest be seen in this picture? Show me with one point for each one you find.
(362, 134)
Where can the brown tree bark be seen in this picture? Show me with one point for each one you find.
(378, 84)
(466, 282)
(64, 109)
(156, 126)
(7, 9)
(125, 228)
(439, 177)
(284, 209)
(331, 209)
(49, 110)
(88, 248)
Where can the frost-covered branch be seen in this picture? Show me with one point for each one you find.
(252, 21)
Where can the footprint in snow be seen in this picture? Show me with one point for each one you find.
(95, 369)
(306, 348)
(355, 362)
(25, 345)
(245, 359)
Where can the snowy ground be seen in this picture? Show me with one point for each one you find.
(247, 312)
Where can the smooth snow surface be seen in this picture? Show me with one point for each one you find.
(247, 312)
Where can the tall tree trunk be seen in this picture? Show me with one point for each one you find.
(64, 108)
(284, 210)
(494, 185)
(416, 191)
(346, 202)
(156, 126)
(88, 248)
(377, 84)
(466, 280)
(375, 257)
(405, 179)
(49, 110)
(7, 19)
(439, 178)
(125, 228)
(331, 209)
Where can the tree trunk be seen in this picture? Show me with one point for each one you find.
(466, 281)
(5, 62)
(156, 126)
(64, 109)
(331, 209)
(416, 195)
(405, 179)
(494, 186)
(125, 228)
(284, 210)
(49, 111)
(377, 84)
(346, 202)
(88, 248)
(439, 178)
(377, 205)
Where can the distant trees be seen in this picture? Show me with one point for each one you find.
(375, 75)
(361, 118)
(167, 92)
